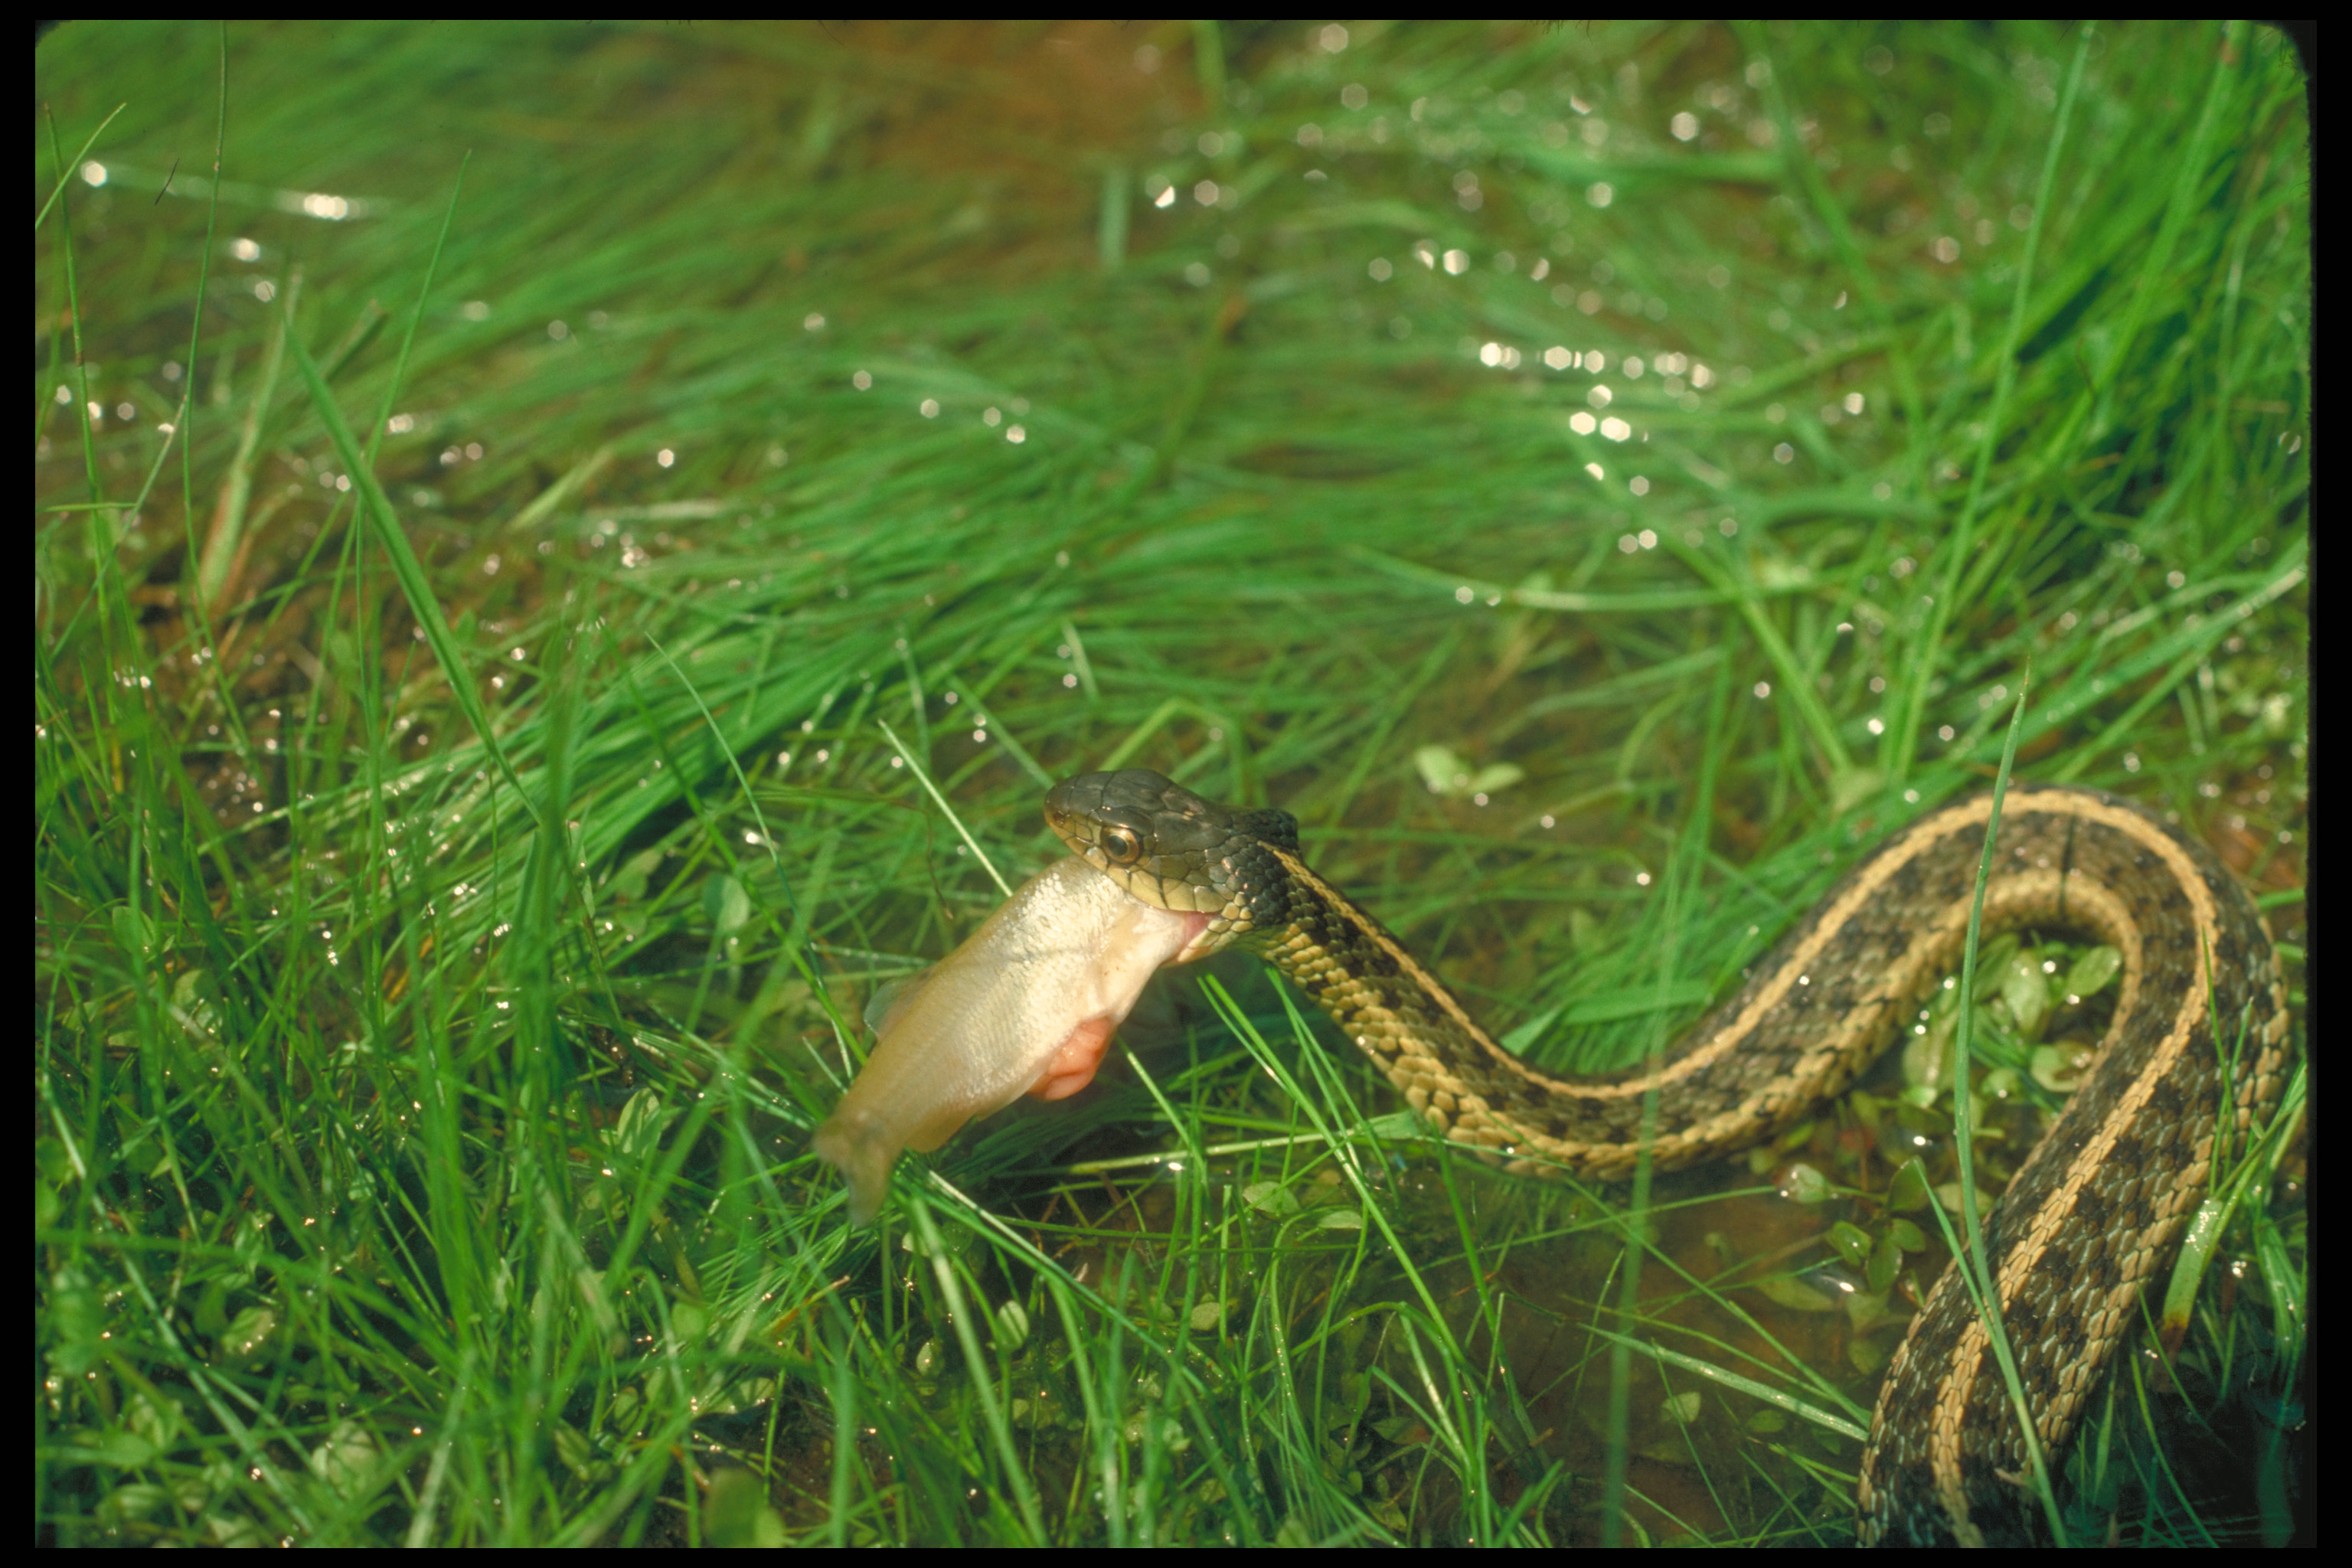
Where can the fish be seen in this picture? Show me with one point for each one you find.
(1026, 1006)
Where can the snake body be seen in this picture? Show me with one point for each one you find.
(2093, 1213)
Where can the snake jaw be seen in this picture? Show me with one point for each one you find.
(1203, 940)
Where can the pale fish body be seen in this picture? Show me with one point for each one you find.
(1025, 1005)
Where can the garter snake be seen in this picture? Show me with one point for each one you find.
(2093, 1213)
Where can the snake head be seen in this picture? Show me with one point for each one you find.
(1175, 850)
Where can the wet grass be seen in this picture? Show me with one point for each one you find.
(1602, 480)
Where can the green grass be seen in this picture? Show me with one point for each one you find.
(468, 833)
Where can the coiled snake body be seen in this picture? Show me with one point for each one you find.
(2091, 1216)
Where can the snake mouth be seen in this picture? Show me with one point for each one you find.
(1175, 897)
(1196, 940)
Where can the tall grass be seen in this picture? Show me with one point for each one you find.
(1601, 478)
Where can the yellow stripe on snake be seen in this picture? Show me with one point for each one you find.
(2091, 1216)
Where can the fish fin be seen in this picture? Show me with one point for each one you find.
(1076, 1060)
(860, 1146)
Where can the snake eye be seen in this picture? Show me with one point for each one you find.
(1120, 847)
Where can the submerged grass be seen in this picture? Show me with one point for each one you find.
(500, 662)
